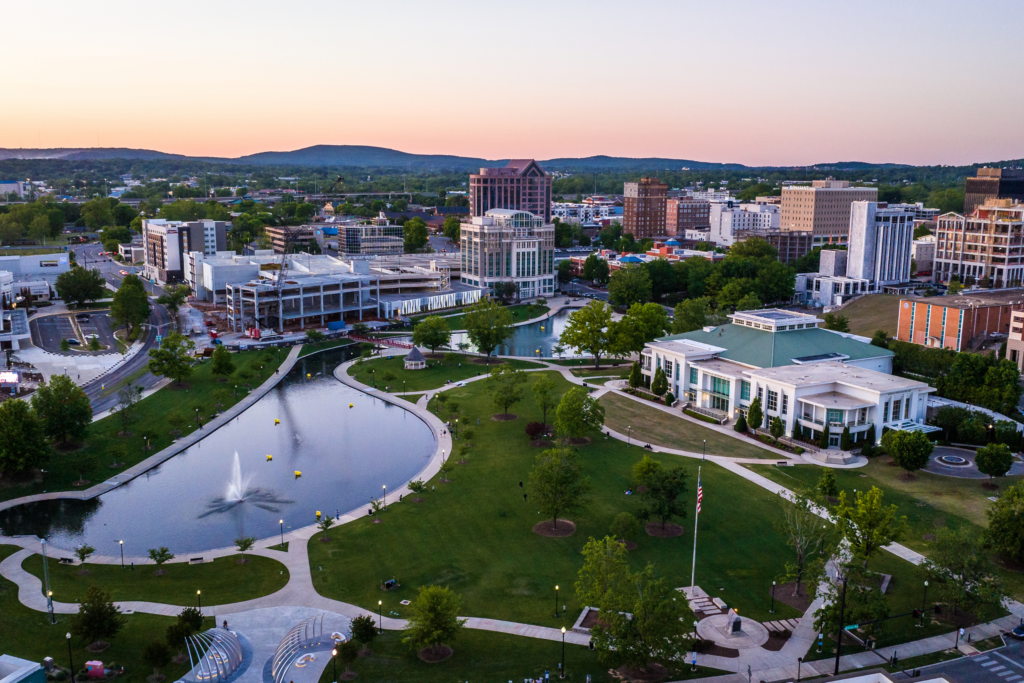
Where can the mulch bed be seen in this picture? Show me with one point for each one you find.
(98, 646)
(365, 652)
(156, 678)
(461, 462)
(80, 482)
(417, 500)
(629, 545)
(125, 435)
(776, 640)
(174, 386)
(159, 572)
(928, 537)
(652, 673)
(580, 442)
(115, 465)
(989, 486)
(83, 572)
(1009, 563)
(564, 529)
(908, 476)
(541, 443)
(503, 417)
(720, 651)
(670, 530)
(377, 521)
(444, 481)
(242, 560)
(348, 676)
(784, 594)
(591, 620)
(323, 539)
(961, 619)
(430, 655)
(641, 489)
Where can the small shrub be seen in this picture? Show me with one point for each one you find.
(798, 450)
(669, 399)
(535, 429)
(741, 424)
(702, 418)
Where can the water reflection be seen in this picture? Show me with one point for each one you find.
(205, 498)
(536, 340)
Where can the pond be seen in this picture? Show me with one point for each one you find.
(526, 340)
(204, 498)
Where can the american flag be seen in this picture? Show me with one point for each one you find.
(700, 494)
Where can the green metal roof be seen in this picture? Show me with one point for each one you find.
(771, 350)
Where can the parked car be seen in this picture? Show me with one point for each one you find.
(1018, 632)
(73, 342)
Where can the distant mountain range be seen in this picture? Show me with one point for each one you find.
(376, 157)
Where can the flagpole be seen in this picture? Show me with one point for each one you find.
(693, 565)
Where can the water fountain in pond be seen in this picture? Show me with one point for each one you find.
(238, 491)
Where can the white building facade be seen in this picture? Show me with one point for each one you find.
(880, 243)
(507, 245)
(728, 218)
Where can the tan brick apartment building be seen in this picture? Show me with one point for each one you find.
(993, 183)
(686, 213)
(986, 246)
(522, 185)
(957, 322)
(822, 208)
(644, 208)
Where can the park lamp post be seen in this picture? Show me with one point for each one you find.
(49, 606)
(380, 615)
(71, 658)
(121, 544)
(384, 499)
(924, 601)
(199, 597)
(562, 674)
(281, 522)
(772, 610)
(629, 431)
(703, 450)
(334, 662)
(556, 602)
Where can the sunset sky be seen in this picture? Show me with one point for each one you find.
(771, 83)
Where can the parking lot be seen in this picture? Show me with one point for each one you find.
(49, 331)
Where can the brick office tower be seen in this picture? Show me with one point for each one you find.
(686, 213)
(823, 208)
(644, 208)
(522, 185)
(993, 183)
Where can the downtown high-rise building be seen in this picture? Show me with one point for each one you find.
(522, 185)
(822, 208)
(993, 183)
(644, 208)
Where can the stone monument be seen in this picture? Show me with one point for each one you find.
(735, 624)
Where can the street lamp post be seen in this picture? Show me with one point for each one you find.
(629, 431)
(49, 606)
(924, 601)
(121, 544)
(281, 522)
(384, 499)
(334, 662)
(199, 597)
(380, 615)
(562, 675)
(71, 658)
(772, 610)
(556, 602)
(703, 450)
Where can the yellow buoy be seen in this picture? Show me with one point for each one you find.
(297, 474)
(349, 405)
(269, 457)
(318, 514)
(276, 421)
(308, 375)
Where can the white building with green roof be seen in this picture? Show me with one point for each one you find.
(806, 375)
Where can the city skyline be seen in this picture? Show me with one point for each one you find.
(792, 83)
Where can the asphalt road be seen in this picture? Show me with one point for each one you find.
(88, 256)
(1005, 665)
(48, 331)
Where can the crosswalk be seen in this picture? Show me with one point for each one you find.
(782, 625)
(998, 667)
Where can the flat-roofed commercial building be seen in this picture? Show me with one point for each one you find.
(686, 213)
(385, 239)
(986, 246)
(522, 185)
(644, 208)
(166, 244)
(506, 245)
(823, 208)
(957, 322)
(790, 244)
(993, 183)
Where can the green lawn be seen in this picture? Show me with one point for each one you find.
(29, 634)
(222, 581)
(520, 313)
(437, 373)
(656, 427)
(475, 534)
(873, 312)
(203, 391)
(412, 398)
(929, 503)
(620, 372)
(486, 656)
(323, 346)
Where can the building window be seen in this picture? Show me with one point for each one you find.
(720, 386)
(668, 368)
(760, 394)
(785, 404)
(906, 410)
(896, 409)
(863, 416)
(885, 412)
(745, 391)
(773, 400)
(693, 376)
